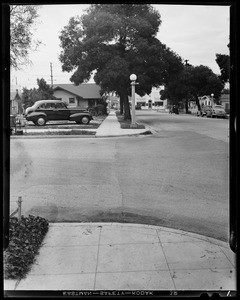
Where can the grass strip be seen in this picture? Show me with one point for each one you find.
(126, 124)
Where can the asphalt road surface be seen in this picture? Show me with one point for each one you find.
(178, 177)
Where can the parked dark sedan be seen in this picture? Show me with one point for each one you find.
(50, 110)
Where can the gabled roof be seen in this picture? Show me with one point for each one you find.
(84, 90)
(15, 95)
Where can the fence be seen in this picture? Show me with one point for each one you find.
(18, 210)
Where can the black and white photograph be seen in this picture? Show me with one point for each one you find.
(120, 136)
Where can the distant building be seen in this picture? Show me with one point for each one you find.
(205, 100)
(83, 95)
(16, 106)
(151, 101)
(114, 101)
(225, 101)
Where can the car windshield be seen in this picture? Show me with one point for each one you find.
(218, 106)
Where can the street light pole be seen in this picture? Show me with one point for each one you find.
(133, 78)
(212, 95)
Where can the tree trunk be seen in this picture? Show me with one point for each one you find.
(125, 102)
(121, 105)
(197, 102)
(127, 114)
(186, 106)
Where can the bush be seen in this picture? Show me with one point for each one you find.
(25, 239)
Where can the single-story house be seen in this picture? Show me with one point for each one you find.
(205, 100)
(83, 95)
(16, 106)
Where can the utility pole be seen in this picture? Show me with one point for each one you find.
(51, 74)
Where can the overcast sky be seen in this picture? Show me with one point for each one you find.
(196, 33)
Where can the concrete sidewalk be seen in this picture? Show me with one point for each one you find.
(110, 127)
(122, 256)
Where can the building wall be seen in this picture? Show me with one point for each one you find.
(225, 102)
(16, 107)
(152, 100)
(70, 99)
(13, 107)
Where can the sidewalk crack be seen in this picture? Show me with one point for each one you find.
(97, 257)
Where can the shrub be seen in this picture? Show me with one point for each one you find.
(25, 239)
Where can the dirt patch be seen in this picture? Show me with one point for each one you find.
(126, 217)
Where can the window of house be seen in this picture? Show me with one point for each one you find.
(158, 103)
(71, 100)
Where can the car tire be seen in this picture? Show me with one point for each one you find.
(85, 120)
(41, 121)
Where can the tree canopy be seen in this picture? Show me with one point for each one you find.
(192, 83)
(223, 62)
(114, 41)
(43, 92)
(22, 18)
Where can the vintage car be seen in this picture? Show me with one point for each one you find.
(50, 110)
(212, 111)
(218, 111)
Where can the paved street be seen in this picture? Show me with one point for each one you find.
(177, 177)
(214, 128)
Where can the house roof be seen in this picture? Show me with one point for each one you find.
(84, 90)
(15, 95)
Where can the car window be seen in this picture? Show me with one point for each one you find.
(60, 106)
(50, 105)
(42, 106)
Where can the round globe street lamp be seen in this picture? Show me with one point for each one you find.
(133, 79)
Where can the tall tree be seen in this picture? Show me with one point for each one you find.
(223, 62)
(192, 83)
(43, 92)
(22, 19)
(115, 41)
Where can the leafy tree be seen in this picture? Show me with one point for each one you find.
(115, 41)
(43, 92)
(192, 83)
(223, 62)
(22, 18)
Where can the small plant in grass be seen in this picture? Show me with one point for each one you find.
(25, 239)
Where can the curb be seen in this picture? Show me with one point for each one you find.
(53, 136)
